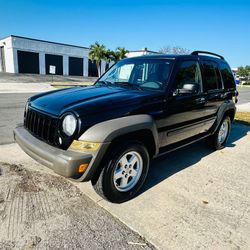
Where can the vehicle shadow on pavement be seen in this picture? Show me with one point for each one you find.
(176, 161)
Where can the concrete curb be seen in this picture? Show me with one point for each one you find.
(245, 107)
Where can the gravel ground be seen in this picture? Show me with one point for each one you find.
(43, 211)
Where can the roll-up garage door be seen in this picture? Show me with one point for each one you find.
(75, 66)
(54, 60)
(28, 62)
(93, 68)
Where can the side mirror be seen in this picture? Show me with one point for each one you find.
(187, 89)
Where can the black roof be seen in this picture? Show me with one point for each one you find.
(195, 54)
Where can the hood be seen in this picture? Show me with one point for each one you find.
(86, 100)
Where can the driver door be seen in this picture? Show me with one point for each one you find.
(185, 105)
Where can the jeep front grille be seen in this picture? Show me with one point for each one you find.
(41, 125)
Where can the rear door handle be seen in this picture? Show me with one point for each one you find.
(223, 95)
(200, 100)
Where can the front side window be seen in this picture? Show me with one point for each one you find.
(212, 79)
(152, 74)
(188, 73)
(227, 76)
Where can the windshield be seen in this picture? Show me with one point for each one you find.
(141, 73)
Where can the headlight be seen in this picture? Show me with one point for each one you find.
(69, 125)
(85, 145)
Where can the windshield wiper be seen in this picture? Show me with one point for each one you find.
(129, 84)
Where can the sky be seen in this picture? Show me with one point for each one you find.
(219, 26)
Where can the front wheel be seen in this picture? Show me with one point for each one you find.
(124, 172)
(219, 139)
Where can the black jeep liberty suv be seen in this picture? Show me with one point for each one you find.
(140, 108)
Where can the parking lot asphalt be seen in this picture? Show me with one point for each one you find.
(243, 104)
(43, 211)
(11, 113)
(244, 95)
(193, 198)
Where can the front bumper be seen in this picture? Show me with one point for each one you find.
(63, 162)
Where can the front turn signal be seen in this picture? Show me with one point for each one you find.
(82, 168)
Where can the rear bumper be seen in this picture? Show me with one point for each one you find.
(63, 162)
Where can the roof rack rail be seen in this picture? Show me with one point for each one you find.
(197, 52)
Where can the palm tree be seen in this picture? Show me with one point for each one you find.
(97, 53)
(114, 56)
(121, 53)
(110, 56)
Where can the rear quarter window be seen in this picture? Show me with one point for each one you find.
(227, 76)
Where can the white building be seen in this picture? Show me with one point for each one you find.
(142, 52)
(28, 55)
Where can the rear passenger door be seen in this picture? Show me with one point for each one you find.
(212, 86)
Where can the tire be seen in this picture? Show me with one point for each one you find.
(127, 163)
(217, 141)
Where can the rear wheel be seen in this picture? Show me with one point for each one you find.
(219, 139)
(124, 172)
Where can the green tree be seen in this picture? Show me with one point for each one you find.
(244, 71)
(247, 68)
(118, 54)
(97, 53)
(121, 53)
(110, 56)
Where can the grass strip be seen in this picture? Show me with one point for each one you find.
(243, 117)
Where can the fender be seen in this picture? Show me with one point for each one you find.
(226, 106)
(105, 132)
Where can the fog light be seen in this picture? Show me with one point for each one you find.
(82, 168)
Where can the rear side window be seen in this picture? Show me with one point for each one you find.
(227, 76)
(212, 80)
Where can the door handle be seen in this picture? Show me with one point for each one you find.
(223, 95)
(200, 100)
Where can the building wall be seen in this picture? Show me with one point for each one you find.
(48, 48)
(135, 53)
(140, 53)
(1, 60)
(8, 55)
(43, 48)
(13, 44)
